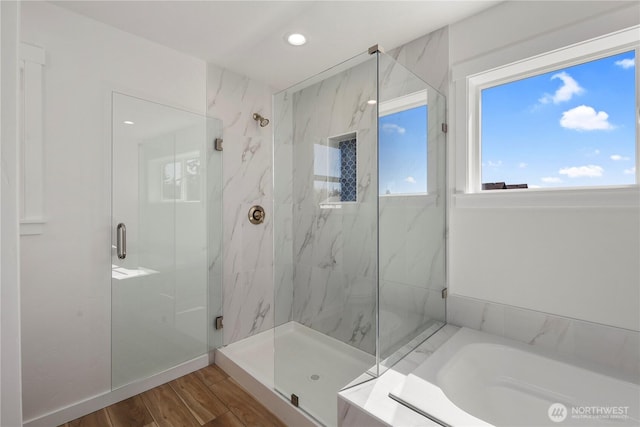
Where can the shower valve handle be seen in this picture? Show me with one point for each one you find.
(256, 214)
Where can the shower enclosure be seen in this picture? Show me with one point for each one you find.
(359, 226)
(166, 217)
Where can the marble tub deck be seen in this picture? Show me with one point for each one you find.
(369, 404)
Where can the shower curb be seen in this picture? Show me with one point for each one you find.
(277, 404)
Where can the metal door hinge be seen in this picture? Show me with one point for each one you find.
(218, 323)
(444, 293)
(294, 400)
(445, 128)
(217, 144)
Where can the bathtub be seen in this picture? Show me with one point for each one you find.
(478, 379)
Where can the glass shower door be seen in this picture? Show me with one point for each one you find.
(411, 211)
(163, 160)
(325, 228)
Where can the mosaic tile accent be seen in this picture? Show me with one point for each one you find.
(348, 168)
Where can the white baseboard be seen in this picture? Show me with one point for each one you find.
(100, 401)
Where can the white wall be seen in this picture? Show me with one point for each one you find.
(578, 260)
(10, 389)
(66, 277)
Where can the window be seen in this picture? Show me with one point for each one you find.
(402, 146)
(567, 126)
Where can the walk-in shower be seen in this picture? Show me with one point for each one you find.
(359, 226)
(166, 204)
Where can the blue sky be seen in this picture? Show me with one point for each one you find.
(570, 127)
(402, 152)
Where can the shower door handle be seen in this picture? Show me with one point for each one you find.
(121, 241)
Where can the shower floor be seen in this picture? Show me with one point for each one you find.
(307, 363)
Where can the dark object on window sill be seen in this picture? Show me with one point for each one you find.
(501, 186)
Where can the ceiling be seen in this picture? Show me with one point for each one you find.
(248, 37)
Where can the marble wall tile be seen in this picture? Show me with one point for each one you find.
(428, 58)
(247, 180)
(607, 345)
(615, 348)
(424, 350)
(393, 242)
(283, 300)
(332, 287)
(482, 317)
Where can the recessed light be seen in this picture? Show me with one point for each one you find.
(128, 122)
(296, 39)
(372, 102)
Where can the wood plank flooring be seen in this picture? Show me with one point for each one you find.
(208, 397)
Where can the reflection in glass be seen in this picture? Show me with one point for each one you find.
(403, 152)
(172, 181)
(192, 180)
(162, 303)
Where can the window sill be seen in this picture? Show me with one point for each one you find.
(31, 227)
(616, 197)
(419, 200)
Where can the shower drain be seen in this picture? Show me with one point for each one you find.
(315, 377)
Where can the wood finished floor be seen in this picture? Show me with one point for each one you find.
(208, 397)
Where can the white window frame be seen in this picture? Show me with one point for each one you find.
(31, 127)
(598, 48)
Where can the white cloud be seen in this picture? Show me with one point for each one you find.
(493, 164)
(391, 127)
(550, 179)
(534, 186)
(565, 92)
(626, 63)
(522, 165)
(590, 171)
(585, 118)
(630, 171)
(410, 180)
(618, 157)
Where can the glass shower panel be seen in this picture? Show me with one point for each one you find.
(162, 165)
(411, 168)
(325, 228)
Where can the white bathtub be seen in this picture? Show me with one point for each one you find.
(478, 379)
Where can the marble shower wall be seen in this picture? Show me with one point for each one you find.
(334, 245)
(247, 260)
(325, 259)
(428, 58)
(247, 248)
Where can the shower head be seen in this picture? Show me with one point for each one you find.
(258, 118)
